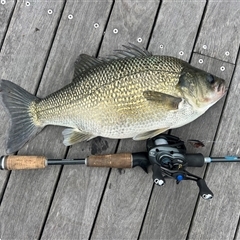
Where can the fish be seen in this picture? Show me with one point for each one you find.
(132, 94)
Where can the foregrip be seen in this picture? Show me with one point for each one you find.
(195, 159)
(119, 160)
(15, 162)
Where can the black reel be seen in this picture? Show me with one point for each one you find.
(168, 157)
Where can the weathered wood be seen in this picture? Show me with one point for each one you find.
(5, 16)
(237, 235)
(78, 195)
(22, 59)
(130, 22)
(175, 203)
(220, 35)
(176, 28)
(49, 143)
(6, 8)
(125, 199)
(84, 214)
(219, 218)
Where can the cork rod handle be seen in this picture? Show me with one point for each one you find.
(119, 160)
(15, 162)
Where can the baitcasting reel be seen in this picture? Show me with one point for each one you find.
(168, 157)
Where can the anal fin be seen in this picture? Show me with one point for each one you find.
(74, 135)
(149, 134)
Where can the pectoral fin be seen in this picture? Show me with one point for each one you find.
(150, 134)
(74, 135)
(169, 101)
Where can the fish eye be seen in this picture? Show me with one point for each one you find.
(210, 78)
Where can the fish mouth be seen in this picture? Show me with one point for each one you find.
(220, 89)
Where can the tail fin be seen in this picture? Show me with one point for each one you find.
(17, 101)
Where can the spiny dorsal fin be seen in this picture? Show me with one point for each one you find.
(84, 62)
(137, 51)
(130, 52)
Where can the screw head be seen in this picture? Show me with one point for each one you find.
(96, 25)
(181, 53)
(115, 30)
(70, 16)
(222, 68)
(200, 61)
(227, 53)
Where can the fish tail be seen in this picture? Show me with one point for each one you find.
(17, 102)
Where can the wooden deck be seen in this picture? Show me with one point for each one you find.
(39, 42)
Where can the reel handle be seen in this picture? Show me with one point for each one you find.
(204, 191)
(157, 176)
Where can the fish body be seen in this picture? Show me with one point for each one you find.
(137, 96)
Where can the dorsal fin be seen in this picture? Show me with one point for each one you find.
(136, 51)
(130, 52)
(85, 62)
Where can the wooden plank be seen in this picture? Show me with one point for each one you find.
(219, 36)
(123, 206)
(237, 235)
(6, 8)
(93, 180)
(34, 189)
(176, 28)
(173, 216)
(223, 211)
(22, 59)
(78, 195)
(127, 25)
(125, 199)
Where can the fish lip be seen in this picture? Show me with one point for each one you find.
(221, 88)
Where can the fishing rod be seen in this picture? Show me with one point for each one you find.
(165, 153)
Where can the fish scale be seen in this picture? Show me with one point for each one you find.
(135, 94)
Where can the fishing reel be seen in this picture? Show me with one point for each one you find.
(168, 157)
